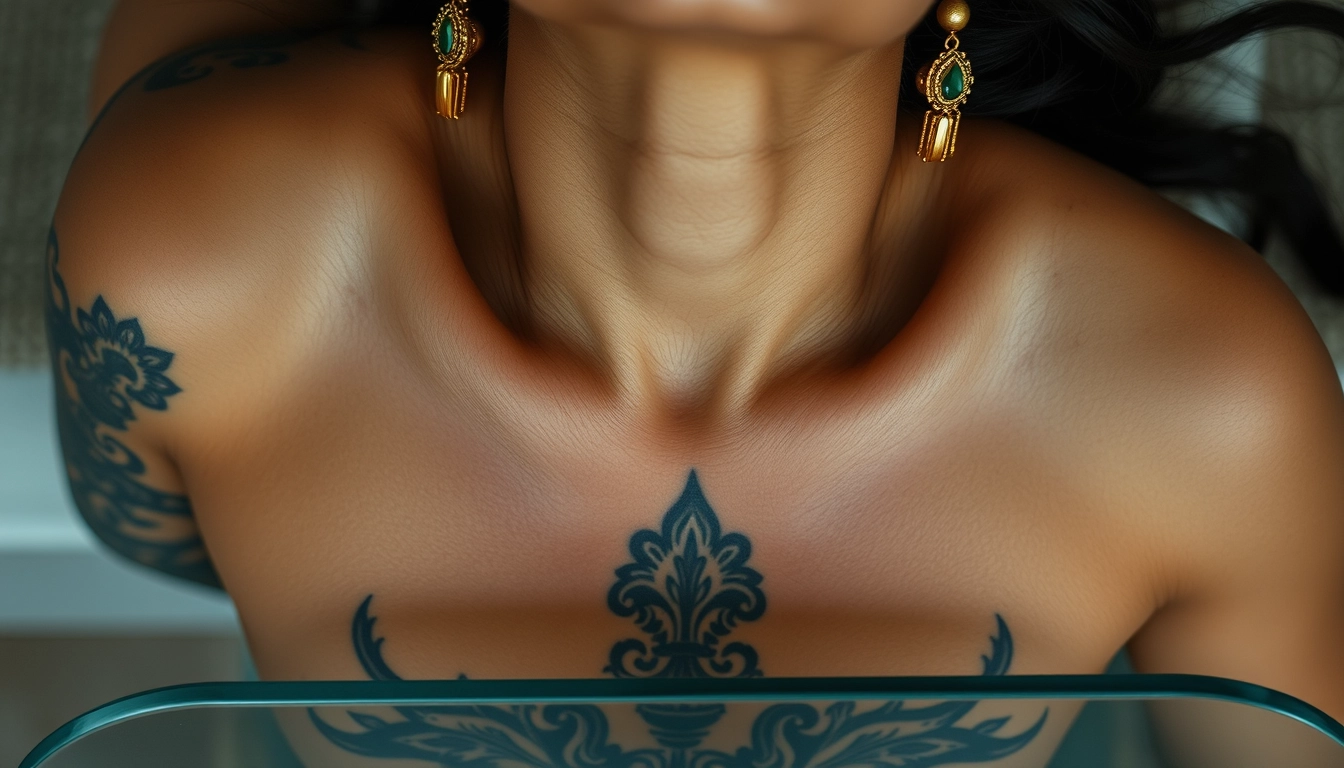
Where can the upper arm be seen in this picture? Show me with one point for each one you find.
(109, 375)
(127, 233)
(125, 229)
(166, 293)
(1257, 589)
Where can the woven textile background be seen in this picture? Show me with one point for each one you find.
(47, 48)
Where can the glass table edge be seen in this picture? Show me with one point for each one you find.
(353, 693)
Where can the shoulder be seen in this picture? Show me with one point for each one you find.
(1126, 281)
(241, 120)
(223, 197)
(211, 227)
(1178, 370)
(285, 100)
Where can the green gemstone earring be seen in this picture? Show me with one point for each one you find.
(456, 39)
(946, 82)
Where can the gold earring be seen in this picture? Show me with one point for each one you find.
(946, 82)
(456, 39)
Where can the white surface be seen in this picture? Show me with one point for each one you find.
(35, 511)
(55, 577)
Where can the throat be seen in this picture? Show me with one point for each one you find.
(702, 176)
(696, 214)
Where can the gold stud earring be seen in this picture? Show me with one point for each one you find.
(456, 39)
(946, 82)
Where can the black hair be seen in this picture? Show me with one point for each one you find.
(1084, 73)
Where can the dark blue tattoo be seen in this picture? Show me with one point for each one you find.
(687, 588)
(199, 61)
(103, 369)
(240, 53)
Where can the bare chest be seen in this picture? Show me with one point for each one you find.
(554, 543)
(499, 518)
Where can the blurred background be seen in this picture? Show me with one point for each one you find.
(79, 627)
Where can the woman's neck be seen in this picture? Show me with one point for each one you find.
(697, 213)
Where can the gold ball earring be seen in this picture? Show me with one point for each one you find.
(946, 82)
(456, 39)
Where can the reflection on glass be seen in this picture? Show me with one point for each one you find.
(793, 731)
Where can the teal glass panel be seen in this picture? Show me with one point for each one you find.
(1139, 721)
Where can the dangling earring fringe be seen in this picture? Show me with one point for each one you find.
(456, 39)
(946, 82)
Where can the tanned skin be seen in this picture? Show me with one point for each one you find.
(454, 367)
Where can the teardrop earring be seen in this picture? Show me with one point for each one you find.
(946, 82)
(456, 39)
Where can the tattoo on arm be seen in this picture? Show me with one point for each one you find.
(687, 588)
(240, 53)
(198, 62)
(103, 371)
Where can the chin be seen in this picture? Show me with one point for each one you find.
(851, 23)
